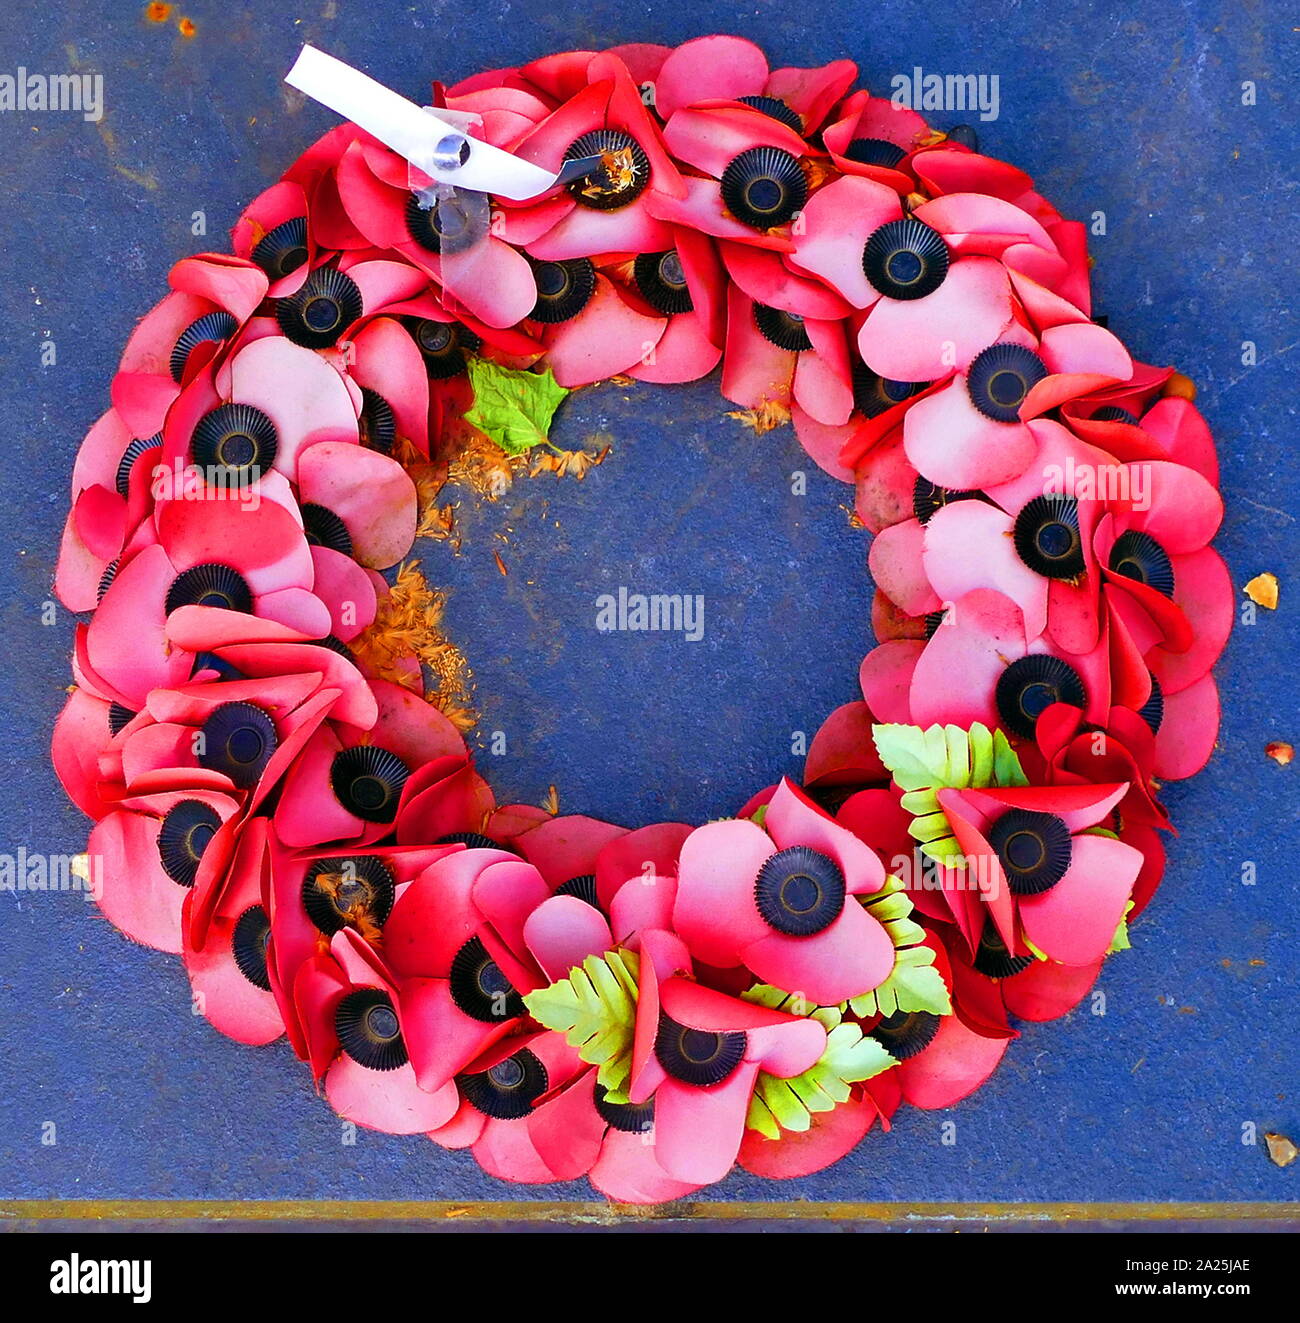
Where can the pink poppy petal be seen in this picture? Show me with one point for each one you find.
(952, 444)
(954, 1065)
(842, 752)
(387, 1100)
(836, 224)
(793, 819)
(698, 1131)
(831, 1136)
(371, 493)
(628, 1172)
(1075, 921)
(709, 68)
(568, 846)
(898, 570)
(1187, 734)
(609, 337)
(131, 889)
(562, 932)
(968, 545)
(714, 911)
(886, 679)
(1047, 990)
(958, 670)
(684, 353)
(850, 957)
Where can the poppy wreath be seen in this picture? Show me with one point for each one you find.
(276, 801)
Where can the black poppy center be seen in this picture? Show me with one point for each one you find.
(248, 946)
(1047, 539)
(1033, 848)
(905, 259)
(799, 891)
(620, 179)
(184, 834)
(318, 313)
(1138, 556)
(1000, 378)
(480, 988)
(347, 889)
(1030, 685)
(238, 741)
(368, 781)
(764, 187)
(698, 1056)
(507, 1090)
(369, 1030)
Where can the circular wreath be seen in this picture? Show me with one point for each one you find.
(276, 800)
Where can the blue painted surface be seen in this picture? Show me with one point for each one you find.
(1134, 110)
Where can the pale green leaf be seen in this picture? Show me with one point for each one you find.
(512, 406)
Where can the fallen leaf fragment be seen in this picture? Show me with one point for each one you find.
(1280, 751)
(1262, 590)
(1281, 1151)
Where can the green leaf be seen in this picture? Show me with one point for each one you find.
(850, 1057)
(1120, 941)
(914, 984)
(923, 762)
(595, 1009)
(514, 407)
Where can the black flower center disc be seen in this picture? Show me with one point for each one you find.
(369, 1031)
(345, 889)
(368, 781)
(234, 440)
(1153, 710)
(135, 448)
(999, 379)
(783, 329)
(248, 946)
(563, 289)
(1034, 848)
(443, 346)
(448, 226)
(283, 249)
(583, 887)
(1030, 685)
(905, 259)
(929, 497)
(323, 528)
(184, 834)
(238, 741)
(874, 394)
(209, 584)
(661, 278)
(506, 1091)
(1046, 537)
(1138, 556)
(479, 988)
(874, 151)
(993, 960)
(377, 423)
(631, 1118)
(621, 179)
(318, 314)
(212, 326)
(119, 716)
(1112, 413)
(698, 1056)
(764, 187)
(905, 1033)
(799, 891)
(774, 108)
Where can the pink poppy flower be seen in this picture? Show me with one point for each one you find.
(229, 973)
(697, 1055)
(498, 1094)
(778, 900)
(347, 784)
(213, 296)
(658, 318)
(614, 210)
(779, 355)
(273, 232)
(455, 945)
(205, 548)
(722, 68)
(984, 427)
(980, 665)
(874, 137)
(1040, 875)
(355, 1030)
(579, 1132)
(145, 856)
